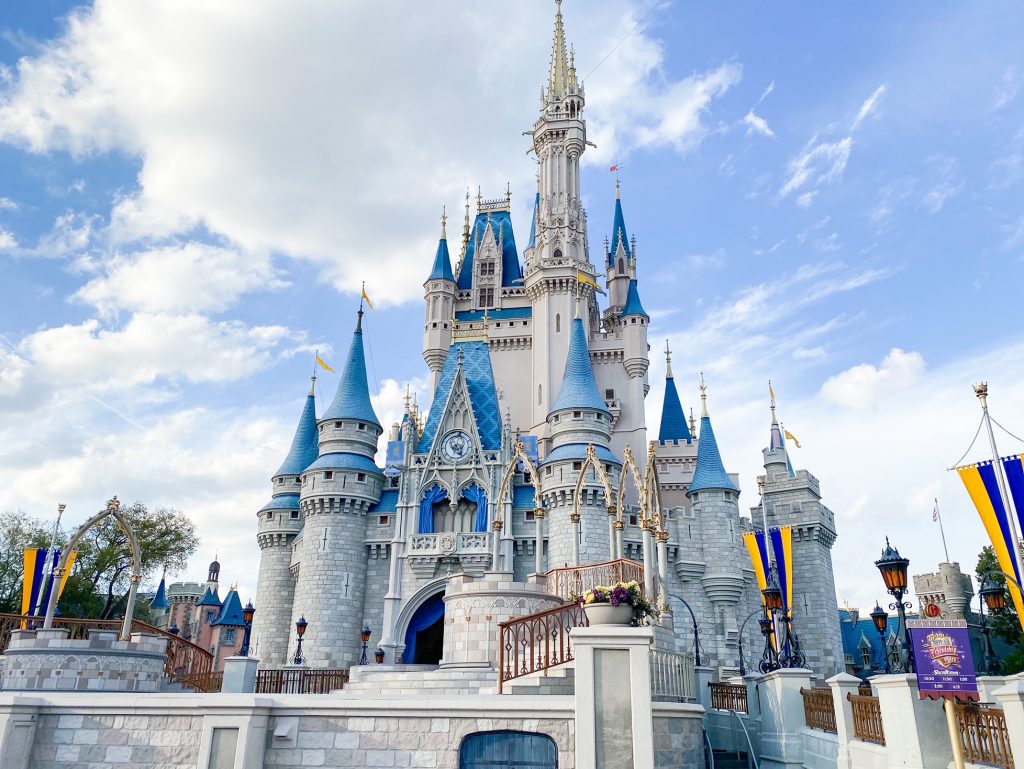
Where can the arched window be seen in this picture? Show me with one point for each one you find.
(558, 323)
(508, 750)
(540, 395)
(622, 266)
(558, 253)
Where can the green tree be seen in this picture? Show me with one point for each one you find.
(17, 531)
(99, 582)
(1004, 622)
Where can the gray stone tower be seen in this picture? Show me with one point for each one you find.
(439, 299)
(578, 418)
(338, 490)
(278, 525)
(793, 498)
(714, 499)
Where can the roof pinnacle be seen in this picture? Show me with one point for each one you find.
(444, 222)
(703, 396)
(668, 361)
(558, 77)
(617, 192)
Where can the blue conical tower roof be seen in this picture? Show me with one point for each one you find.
(231, 611)
(352, 400)
(579, 390)
(533, 223)
(210, 598)
(304, 449)
(673, 420)
(710, 472)
(159, 601)
(442, 262)
(618, 230)
(633, 306)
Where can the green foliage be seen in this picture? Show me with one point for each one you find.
(99, 583)
(1003, 622)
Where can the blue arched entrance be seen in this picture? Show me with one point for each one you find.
(424, 640)
(508, 750)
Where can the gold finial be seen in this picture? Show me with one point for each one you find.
(981, 390)
(114, 504)
(668, 361)
(616, 185)
(693, 424)
(61, 507)
(508, 193)
(703, 396)
(408, 396)
(444, 223)
(479, 198)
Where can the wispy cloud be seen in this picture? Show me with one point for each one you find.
(757, 124)
(869, 106)
(6, 204)
(944, 184)
(1007, 88)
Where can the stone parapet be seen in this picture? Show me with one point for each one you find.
(48, 660)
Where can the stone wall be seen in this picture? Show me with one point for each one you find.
(676, 743)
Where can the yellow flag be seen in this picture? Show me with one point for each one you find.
(367, 299)
(792, 437)
(320, 362)
(771, 392)
(582, 277)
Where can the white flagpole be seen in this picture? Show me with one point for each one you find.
(938, 517)
(981, 390)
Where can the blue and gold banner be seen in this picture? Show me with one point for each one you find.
(757, 546)
(782, 544)
(983, 488)
(36, 565)
(1014, 469)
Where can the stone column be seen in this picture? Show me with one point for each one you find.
(614, 727)
(782, 717)
(704, 675)
(916, 736)
(842, 684)
(240, 675)
(987, 686)
(750, 681)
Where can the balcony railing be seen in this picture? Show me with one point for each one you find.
(983, 735)
(298, 681)
(572, 581)
(672, 676)
(186, 664)
(537, 642)
(867, 718)
(729, 697)
(819, 710)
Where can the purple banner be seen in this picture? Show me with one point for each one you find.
(942, 657)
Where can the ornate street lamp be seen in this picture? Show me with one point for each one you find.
(365, 635)
(881, 619)
(769, 660)
(893, 568)
(992, 595)
(378, 656)
(300, 628)
(247, 614)
(173, 628)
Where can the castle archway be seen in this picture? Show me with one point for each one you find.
(424, 635)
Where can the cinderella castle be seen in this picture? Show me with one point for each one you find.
(502, 499)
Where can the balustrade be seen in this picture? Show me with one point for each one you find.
(729, 697)
(819, 710)
(299, 681)
(672, 675)
(537, 642)
(572, 581)
(867, 718)
(983, 735)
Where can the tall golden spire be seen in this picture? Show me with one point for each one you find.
(559, 76)
(703, 396)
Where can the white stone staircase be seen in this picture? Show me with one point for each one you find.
(556, 680)
(420, 681)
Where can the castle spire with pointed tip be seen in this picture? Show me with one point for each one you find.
(673, 420)
(352, 399)
(710, 472)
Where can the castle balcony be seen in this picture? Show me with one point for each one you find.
(428, 552)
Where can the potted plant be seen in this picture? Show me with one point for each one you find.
(618, 604)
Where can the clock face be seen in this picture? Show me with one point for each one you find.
(455, 446)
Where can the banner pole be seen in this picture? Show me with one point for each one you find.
(954, 733)
(47, 575)
(981, 390)
(942, 531)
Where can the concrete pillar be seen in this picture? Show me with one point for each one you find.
(916, 735)
(782, 717)
(703, 676)
(613, 681)
(842, 684)
(17, 732)
(1011, 699)
(240, 675)
(987, 686)
(751, 680)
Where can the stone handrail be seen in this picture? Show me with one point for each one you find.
(570, 582)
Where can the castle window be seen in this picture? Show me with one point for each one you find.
(361, 477)
(383, 520)
(486, 297)
(295, 515)
(558, 253)
(210, 616)
(577, 415)
(487, 268)
(632, 520)
(328, 475)
(361, 426)
(622, 266)
(609, 395)
(577, 465)
(393, 482)
(337, 425)
(321, 428)
(558, 323)
(229, 636)
(280, 480)
(531, 515)
(526, 478)
(540, 394)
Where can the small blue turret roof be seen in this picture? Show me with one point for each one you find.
(633, 306)
(673, 420)
(710, 472)
(231, 612)
(304, 444)
(501, 223)
(618, 232)
(442, 263)
(352, 400)
(159, 601)
(533, 223)
(210, 598)
(579, 390)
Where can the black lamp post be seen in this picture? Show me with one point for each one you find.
(880, 617)
(893, 568)
(365, 635)
(247, 614)
(698, 659)
(992, 595)
(300, 629)
(173, 628)
(769, 661)
(772, 595)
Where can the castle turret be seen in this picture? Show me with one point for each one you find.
(279, 524)
(439, 298)
(617, 257)
(715, 501)
(338, 490)
(578, 418)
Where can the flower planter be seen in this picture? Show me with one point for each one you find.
(606, 614)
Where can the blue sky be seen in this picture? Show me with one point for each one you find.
(824, 195)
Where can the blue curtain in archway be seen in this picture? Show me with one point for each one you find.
(430, 612)
(475, 494)
(434, 494)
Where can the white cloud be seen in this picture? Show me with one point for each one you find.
(182, 278)
(1008, 169)
(818, 163)
(1014, 234)
(757, 124)
(1008, 87)
(7, 240)
(864, 386)
(805, 199)
(6, 204)
(813, 353)
(944, 184)
(713, 259)
(869, 107)
(226, 108)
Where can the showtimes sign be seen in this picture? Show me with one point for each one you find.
(942, 658)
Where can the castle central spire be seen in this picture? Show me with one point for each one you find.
(560, 72)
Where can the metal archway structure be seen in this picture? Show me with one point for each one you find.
(519, 455)
(113, 510)
(656, 523)
(602, 476)
(629, 469)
